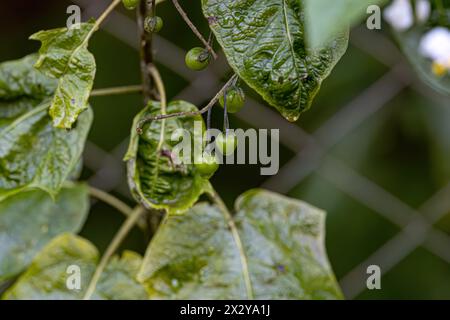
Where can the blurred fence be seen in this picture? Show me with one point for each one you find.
(311, 150)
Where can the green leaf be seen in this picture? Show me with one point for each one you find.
(47, 277)
(34, 154)
(154, 179)
(264, 43)
(118, 281)
(64, 56)
(29, 220)
(18, 79)
(325, 18)
(196, 256)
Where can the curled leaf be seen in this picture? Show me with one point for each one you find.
(158, 178)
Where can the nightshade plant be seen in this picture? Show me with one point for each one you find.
(267, 247)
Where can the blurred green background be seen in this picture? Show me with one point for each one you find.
(384, 144)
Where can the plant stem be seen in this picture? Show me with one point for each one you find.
(191, 113)
(113, 246)
(237, 239)
(100, 20)
(147, 8)
(162, 94)
(145, 48)
(116, 90)
(194, 28)
(114, 202)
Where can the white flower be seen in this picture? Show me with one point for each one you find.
(423, 10)
(435, 45)
(400, 13)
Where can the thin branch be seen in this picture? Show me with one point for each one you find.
(113, 246)
(190, 113)
(237, 239)
(145, 48)
(162, 94)
(116, 90)
(115, 203)
(100, 20)
(156, 76)
(194, 28)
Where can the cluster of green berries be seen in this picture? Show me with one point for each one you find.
(198, 59)
(225, 144)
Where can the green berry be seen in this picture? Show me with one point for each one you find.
(226, 144)
(235, 99)
(207, 165)
(153, 24)
(197, 59)
(130, 4)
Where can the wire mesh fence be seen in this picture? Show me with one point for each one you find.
(312, 151)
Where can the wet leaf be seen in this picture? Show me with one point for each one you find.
(64, 56)
(154, 177)
(34, 154)
(29, 220)
(49, 274)
(118, 281)
(196, 256)
(264, 42)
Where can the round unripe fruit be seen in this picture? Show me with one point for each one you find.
(130, 4)
(227, 143)
(207, 165)
(197, 59)
(235, 100)
(153, 24)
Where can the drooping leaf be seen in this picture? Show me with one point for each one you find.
(64, 56)
(264, 42)
(49, 275)
(325, 18)
(154, 177)
(29, 220)
(196, 256)
(33, 154)
(21, 88)
(18, 79)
